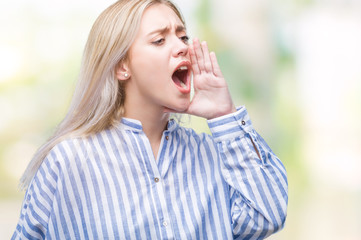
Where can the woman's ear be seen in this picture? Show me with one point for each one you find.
(122, 71)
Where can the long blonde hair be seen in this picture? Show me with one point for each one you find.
(98, 100)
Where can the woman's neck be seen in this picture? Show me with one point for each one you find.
(154, 122)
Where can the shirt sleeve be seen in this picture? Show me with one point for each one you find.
(257, 178)
(38, 202)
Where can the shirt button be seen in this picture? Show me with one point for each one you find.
(156, 179)
(167, 137)
(165, 224)
(243, 123)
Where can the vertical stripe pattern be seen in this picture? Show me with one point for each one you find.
(110, 186)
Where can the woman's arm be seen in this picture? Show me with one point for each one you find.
(38, 202)
(257, 178)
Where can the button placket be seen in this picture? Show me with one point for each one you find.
(164, 220)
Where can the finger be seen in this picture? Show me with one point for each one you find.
(207, 59)
(193, 57)
(216, 69)
(199, 54)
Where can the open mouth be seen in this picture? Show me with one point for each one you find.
(181, 78)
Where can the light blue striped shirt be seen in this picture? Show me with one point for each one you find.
(109, 186)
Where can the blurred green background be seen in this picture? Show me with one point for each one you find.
(296, 65)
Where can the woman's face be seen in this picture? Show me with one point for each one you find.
(159, 63)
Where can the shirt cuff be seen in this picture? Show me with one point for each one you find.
(231, 126)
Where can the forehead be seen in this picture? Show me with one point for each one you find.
(158, 16)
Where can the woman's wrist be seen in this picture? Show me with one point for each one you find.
(226, 111)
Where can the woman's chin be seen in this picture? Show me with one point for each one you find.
(180, 107)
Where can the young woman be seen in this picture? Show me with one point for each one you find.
(119, 168)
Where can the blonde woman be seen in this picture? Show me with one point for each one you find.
(119, 168)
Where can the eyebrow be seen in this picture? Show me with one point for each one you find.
(179, 28)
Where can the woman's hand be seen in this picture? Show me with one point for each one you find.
(211, 95)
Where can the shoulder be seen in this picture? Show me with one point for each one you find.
(65, 154)
(189, 134)
(64, 160)
(68, 149)
(196, 146)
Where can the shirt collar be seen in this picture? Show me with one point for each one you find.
(136, 126)
(172, 125)
(131, 124)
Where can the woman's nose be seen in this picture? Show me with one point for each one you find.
(181, 48)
